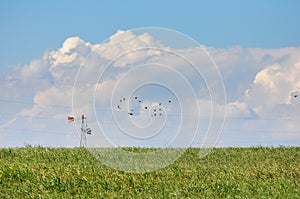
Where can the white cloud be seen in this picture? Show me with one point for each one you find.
(53, 102)
(259, 82)
(239, 110)
(36, 69)
(73, 51)
(8, 123)
(131, 47)
(273, 86)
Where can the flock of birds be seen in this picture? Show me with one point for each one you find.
(156, 110)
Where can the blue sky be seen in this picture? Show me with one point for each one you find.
(28, 28)
(255, 44)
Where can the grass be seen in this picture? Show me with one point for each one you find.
(225, 173)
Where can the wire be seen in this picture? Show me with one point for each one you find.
(30, 117)
(7, 116)
(111, 109)
(273, 131)
(69, 82)
(227, 130)
(32, 103)
(35, 131)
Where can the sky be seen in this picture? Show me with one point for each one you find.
(244, 55)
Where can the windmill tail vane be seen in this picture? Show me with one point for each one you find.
(70, 119)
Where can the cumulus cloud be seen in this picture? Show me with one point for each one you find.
(128, 45)
(81, 77)
(73, 51)
(50, 102)
(273, 86)
(35, 69)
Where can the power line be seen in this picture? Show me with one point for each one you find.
(168, 114)
(36, 131)
(7, 116)
(35, 117)
(273, 131)
(32, 103)
(47, 105)
(276, 131)
(69, 82)
(227, 130)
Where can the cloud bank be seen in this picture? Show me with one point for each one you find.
(262, 89)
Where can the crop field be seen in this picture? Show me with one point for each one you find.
(37, 172)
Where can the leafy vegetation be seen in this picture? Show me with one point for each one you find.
(36, 172)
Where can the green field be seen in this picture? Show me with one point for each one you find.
(225, 173)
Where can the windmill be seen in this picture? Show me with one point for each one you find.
(84, 129)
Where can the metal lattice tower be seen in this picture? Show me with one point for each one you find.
(84, 129)
(83, 135)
